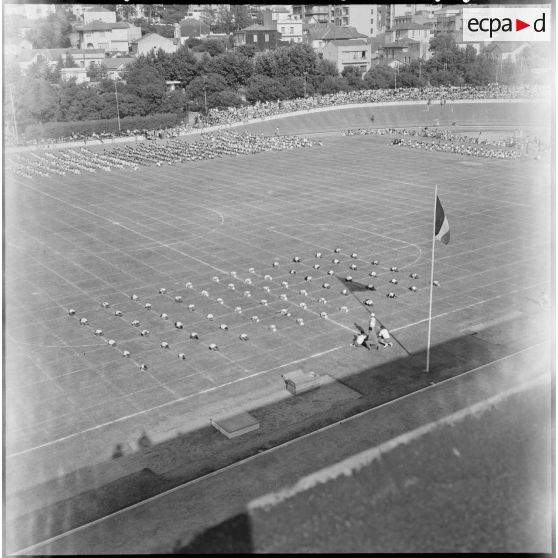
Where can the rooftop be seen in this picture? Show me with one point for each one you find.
(258, 27)
(54, 53)
(350, 42)
(149, 35)
(115, 63)
(404, 43)
(102, 26)
(410, 26)
(331, 32)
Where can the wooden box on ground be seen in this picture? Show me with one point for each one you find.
(236, 425)
(298, 381)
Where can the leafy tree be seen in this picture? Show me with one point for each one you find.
(69, 61)
(224, 99)
(51, 32)
(208, 16)
(204, 86)
(183, 66)
(163, 62)
(263, 88)
(176, 101)
(126, 12)
(446, 57)
(12, 71)
(173, 13)
(331, 84)
(293, 61)
(265, 64)
(247, 50)
(146, 82)
(241, 16)
(326, 67)
(224, 19)
(259, 19)
(97, 72)
(235, 68)
(38, 69)
(212, 47)
(407, 78)
(445, 77)
(481, 72)
(353, 76)
(38, 101)
(294, 87)
(379, 77)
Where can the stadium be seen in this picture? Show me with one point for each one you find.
(157, 314)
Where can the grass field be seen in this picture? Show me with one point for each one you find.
(74, 242)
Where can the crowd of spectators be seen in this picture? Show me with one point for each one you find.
(428, 94)
(132, 156)
(234, 115)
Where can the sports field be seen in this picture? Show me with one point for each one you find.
(210, 230)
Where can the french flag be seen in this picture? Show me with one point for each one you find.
(442, 229)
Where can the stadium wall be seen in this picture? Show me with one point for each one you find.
(478, 480)
(479, 113)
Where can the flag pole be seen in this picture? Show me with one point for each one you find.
(431, 282)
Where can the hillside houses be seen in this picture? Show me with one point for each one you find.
(111, 37)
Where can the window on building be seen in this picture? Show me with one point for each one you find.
(282, 30)
(255, 38)
(371, 30)
(363, 54)
(372, 11)
(266, 37)
(292, 30)
(372, 21)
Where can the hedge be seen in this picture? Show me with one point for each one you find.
(88, 127)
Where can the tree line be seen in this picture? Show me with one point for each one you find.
(220, 79)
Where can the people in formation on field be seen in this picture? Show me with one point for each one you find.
(460, 148)
(262, 110)
(475, 145)
(132, 156)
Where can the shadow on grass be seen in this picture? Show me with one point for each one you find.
(192, 455)
(232, 536)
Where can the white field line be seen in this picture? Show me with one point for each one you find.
(469, 306)
(31, 548)
(96, 215)
(333, 225)
(178, 400)
(394, 330)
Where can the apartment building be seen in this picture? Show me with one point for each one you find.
(368, 19)
(314, 13)
(286, 23)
